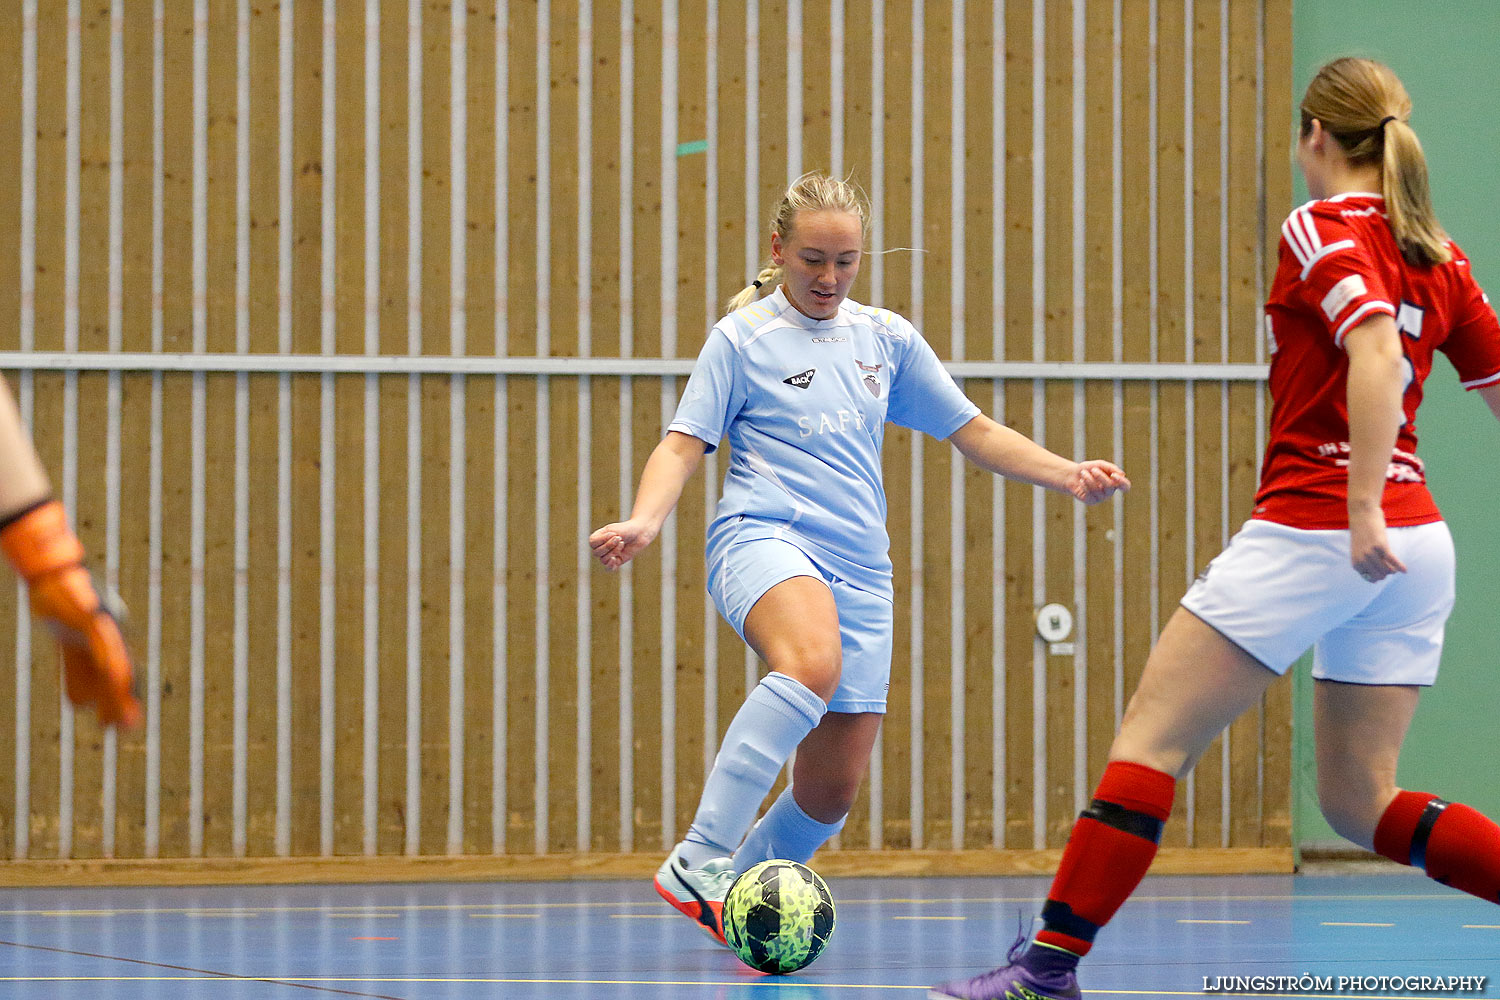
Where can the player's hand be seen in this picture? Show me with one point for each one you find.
(1095, 480)
(96, 661)
(1369, 548)
(616, 544)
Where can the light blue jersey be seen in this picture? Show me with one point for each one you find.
(804, 405)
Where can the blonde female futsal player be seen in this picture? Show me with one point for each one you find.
(1345, 550)
(35, 536)
(803, 383)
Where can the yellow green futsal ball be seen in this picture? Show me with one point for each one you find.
(778, 917)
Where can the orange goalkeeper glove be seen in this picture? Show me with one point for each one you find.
(96, 662)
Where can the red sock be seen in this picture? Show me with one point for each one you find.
(1454, 844)
(1112, 845)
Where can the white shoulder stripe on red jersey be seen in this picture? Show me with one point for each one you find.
(1476, 383)
(1374, 305)
(1331, 248)
(1293, 241)
(1303, 219)
(1301, 235)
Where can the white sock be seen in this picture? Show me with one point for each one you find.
(767, 728)
(785, 831)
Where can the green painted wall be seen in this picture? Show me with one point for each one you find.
(1445, 54)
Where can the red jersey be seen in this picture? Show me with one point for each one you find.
(1339, 265)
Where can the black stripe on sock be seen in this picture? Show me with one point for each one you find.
(1059, 917)
(1419, 836)
(1127, 820)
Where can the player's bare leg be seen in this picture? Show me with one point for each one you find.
(825, 780)
(794, 628)
(1360, 729)
(1195, 684)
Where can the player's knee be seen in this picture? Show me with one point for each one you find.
(818, 667)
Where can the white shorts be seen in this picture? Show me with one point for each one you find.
(740, 573)
(1277, 590)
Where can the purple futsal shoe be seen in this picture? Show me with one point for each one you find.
(1016, 980)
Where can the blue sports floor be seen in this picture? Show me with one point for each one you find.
(894, 937)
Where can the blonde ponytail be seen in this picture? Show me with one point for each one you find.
(767, 278)
(1408, 198)
(1363, 105)
(814, 191)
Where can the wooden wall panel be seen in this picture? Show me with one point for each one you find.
(770, 45)
(690, 322)
(1020, 643)
(900, 272)
(1172, 205)
(735, 223)
(1242, 310)
(1057, 432)
(263, 421)
(391, 784)
(934, 188)
(1100, 316)
(10, 339)
(595, 223)
(135, 391)
(306, 405)
(644, 421)
(46, 420)
(435, 392)
(816, 127)
(482, 455)
(974, 777)
(176, 451)
(218, 394)
(92, 333)
(11, 78)
(1280, 121)
(349, 293)
(607, 284)
(1208, 343)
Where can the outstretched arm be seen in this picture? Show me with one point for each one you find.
(1013, 455)
(671, 465)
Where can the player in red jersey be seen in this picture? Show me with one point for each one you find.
(1345, 551)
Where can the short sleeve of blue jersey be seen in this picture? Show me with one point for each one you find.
(715, 393)
(924, 396)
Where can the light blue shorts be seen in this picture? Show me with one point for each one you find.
(740, 573)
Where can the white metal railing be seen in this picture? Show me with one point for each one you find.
(364, 364)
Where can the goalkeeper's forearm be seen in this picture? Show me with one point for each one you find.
(23, 482)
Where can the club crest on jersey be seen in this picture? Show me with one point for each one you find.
(871, 376)
(802, 380)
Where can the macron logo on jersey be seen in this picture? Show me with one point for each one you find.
(801, 381)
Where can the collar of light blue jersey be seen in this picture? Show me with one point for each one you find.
(795, 315)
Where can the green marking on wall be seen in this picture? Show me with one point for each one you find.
(689, 148)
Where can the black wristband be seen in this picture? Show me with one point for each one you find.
(9, 519)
